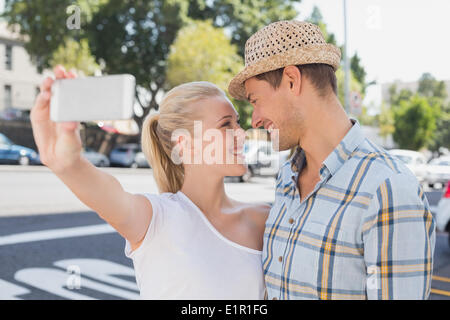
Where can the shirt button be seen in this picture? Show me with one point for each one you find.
(280, 258)
(291, 221)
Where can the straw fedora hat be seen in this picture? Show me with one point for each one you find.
(282, 44)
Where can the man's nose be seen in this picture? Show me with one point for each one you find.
(256, 120)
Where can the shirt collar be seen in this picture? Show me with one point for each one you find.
(337, 157)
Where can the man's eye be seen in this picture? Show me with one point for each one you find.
(226, 124)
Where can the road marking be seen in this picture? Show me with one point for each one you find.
(93, 274)
(102, 270)
(55, 281)
(441, 292)
(445, 279)
(56, 234)
(10, 291)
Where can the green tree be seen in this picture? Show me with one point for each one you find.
(242, 18)
(135, 36)
(360, 73)
(430, 87)
(75, 55)
(386, 121)
(415, 123)
(43, 24)
(436, 93)
(202, 52)
(317, 18)
(396, 97)
(442, 133)
(355, 85)
(358, 81)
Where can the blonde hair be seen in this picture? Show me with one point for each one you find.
(175, 113)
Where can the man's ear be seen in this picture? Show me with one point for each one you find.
(293, 79)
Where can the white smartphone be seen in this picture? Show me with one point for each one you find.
(93, 98)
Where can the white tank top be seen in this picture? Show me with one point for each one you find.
(183, 256)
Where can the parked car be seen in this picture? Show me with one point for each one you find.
(438, 172)
(11, 153)
(124, 155)
(415, 161)
(262, 160)
(96, 158)
(140, 161)
(14, 114)
(443, 212)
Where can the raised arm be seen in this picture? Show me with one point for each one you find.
(60, 146)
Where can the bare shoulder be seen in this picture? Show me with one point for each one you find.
(259, 209)
(257, 213)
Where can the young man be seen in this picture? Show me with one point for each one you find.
(349, 221)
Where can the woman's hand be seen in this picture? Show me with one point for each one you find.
(59, 143)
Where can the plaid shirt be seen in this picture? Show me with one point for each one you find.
(365, 232)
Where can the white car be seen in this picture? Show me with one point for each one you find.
(140, 161)
(262, 160)
(443, 212)
(438, 172)
(415, 161)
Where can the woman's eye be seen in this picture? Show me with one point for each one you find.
(226, 124)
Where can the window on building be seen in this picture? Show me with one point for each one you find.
(8, 96)
(8, 57)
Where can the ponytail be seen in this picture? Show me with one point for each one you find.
(168, 175)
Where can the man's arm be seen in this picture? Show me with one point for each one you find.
(399, 239)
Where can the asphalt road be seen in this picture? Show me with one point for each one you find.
(36, 190)
(53, 247)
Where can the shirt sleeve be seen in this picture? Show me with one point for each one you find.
(399, 239)
(154, 227)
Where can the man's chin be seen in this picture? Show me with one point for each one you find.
(283, 146)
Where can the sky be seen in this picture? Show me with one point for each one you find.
(395, 39)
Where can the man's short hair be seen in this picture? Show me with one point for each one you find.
(322, 77)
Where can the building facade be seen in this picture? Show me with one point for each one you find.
(19, 78)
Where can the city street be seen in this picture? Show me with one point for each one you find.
(54, 247)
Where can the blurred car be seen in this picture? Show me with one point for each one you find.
(262, 160)
(438, 172)
(415, 161)
(140, 161)
(96, 158)
(125, 155)
(443, 212)
(14, 114)
(11, 153)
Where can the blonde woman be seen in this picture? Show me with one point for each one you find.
(191, 241)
